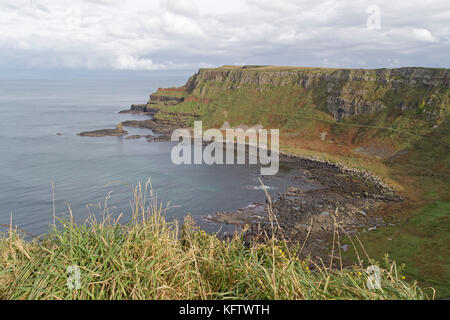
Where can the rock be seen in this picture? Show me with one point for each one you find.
(342, 107)
(149, 108)
(128, 111)
(138, 107)
(289, 194)
(161, 139)
(323, 136)
(324, 213)
(103, 133)
(164, 98)
(154, 125)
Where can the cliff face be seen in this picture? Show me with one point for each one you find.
(309, 77)
(348, 92)
(165, 99)
(161, 100)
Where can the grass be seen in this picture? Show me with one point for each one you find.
(421, 242)
(151, 258)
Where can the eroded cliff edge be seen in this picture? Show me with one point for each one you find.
(348, 92)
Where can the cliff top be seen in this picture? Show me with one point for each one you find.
(271, 68)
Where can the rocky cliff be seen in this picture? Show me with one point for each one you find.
(348, 92)
(165, 99)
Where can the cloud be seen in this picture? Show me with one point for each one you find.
(183, 7)
(180, 26)
(171, 34)
(126, 62)
(424, 35)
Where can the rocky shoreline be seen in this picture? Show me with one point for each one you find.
(158, 127)
(162, 130)
(345, 201)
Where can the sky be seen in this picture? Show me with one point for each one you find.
(158, 35)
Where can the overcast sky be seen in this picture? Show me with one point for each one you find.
(188, 34)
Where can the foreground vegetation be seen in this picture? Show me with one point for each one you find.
(150, 258)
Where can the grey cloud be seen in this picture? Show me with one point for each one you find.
(174, 34)
(187, 8)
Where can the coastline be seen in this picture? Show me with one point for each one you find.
(347, 199)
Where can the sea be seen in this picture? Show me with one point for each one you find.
(46, 169)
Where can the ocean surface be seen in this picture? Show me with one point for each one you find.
(39, 122)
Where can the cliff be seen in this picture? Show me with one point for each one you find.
(376, 112)
(348, 92)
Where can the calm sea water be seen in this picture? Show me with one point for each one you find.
(82, 169)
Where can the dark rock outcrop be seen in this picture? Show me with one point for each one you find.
(103, 133)
(160, 127)
(165, 98)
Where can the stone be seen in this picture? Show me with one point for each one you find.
(103, 133)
